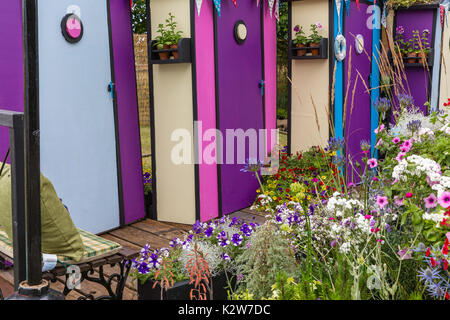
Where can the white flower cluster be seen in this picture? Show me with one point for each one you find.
(420, 166)
(342, 206)
(435, 217)
(442, 184)
(401, 128)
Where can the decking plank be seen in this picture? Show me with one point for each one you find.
(140, 237)
(6, 287)
(167, 232)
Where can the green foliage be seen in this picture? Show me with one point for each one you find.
(268, 254)
(139, 17)
(407, 3)
(167, 33)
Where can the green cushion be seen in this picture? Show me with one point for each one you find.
(59, 235)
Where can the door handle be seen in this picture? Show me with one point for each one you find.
(111, 87)
(261, 86)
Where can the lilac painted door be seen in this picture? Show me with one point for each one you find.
(11, 64)
(357, 109)
(240, 98)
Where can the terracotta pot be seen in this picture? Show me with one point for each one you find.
(174, 53)
(301, 52)
(164, 55)
(423, 57)
(315, 52)
(410, 55)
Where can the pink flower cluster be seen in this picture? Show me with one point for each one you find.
(405, 147)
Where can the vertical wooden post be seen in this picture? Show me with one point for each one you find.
(32, 145)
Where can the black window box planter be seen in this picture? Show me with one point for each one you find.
(184, 53)
(323, 51)
(430, 60)
(181, 290)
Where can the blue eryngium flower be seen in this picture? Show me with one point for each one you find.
(428, 275)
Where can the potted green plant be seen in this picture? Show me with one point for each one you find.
(400, 44)
(410, 51)
(424, 46)
(162, 42)
(315, 38)
(173, 35)
(300, 40)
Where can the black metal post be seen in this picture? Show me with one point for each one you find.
(32, 146)
(14, 122)
(16, 138)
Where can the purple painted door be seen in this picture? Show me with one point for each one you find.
(357, 109)
(418, 78)
(240, 98)
(11, 64)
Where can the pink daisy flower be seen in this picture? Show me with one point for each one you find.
(400, 156)
(396, 140)
(373, 163)
(382, 201)
(430, 201)
(444, 200)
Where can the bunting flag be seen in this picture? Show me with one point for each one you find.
(271, 3)
(257, 3)
(338, 9)
(217, 5)
(442, 8)
(357, 4)
(199, 5)
(277, 9)
(235, 3)
(384, 16)
(347, 5)
(131, 4)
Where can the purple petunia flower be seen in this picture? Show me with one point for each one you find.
(237, 239)
(430, 201)
(223, 241)
(382, 201)
(209, 231)
(246, 230)
(143, 268)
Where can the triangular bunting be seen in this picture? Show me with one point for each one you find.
(199, 5)
(235, 3)
(347, 5)
(357, 4)
(271, 3)
(217, 5)
(257, 3)
(277, 9)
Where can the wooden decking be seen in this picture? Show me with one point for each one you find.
(155, 233)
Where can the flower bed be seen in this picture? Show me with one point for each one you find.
(325, 237)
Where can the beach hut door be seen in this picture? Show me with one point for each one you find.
(76, 92)
(240, 98)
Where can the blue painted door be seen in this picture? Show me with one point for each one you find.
(78, 140)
